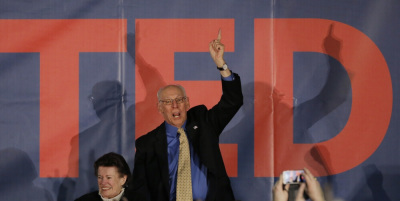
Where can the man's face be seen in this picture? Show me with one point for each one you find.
(174, 113)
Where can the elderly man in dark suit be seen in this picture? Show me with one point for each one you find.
(157, 171)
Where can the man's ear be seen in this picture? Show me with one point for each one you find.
(187, 104)
(159, 108)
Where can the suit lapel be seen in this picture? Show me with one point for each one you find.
(192, 131)
(161, 150)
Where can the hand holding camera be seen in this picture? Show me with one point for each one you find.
(297, 185)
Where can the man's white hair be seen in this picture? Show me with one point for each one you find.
(171, 85)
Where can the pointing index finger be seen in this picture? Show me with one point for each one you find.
(219, 35)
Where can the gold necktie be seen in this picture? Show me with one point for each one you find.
(184, 183)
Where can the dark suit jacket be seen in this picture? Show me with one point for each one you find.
(203, 127)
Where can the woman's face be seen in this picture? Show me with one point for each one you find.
(110, 181)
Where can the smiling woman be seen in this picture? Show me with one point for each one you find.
(113, 174)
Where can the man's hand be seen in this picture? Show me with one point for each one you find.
(217, 50)
(280, 191)
(312, 188)
(217, 54)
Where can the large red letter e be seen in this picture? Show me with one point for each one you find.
(59, 43)
(157, 40)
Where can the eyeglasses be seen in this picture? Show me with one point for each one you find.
(177, 100)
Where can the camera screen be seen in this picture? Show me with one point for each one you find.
(293, 176)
